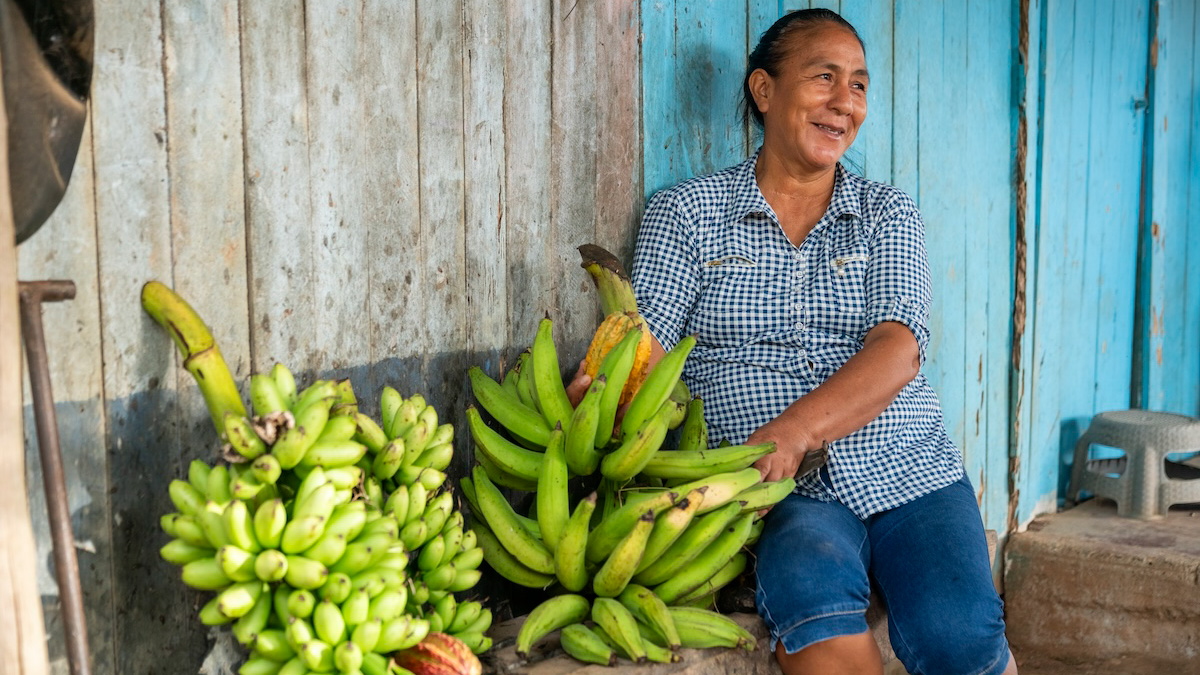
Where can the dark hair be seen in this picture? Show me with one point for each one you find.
(773, 49)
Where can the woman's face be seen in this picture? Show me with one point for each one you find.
(812, 109)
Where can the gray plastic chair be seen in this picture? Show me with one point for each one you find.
(1142, 482)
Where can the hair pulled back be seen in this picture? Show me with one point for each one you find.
(774, 45)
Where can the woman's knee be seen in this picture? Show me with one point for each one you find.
(855, 653)
(942, 644)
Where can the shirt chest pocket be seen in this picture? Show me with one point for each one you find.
(841, 278)
(738, 303)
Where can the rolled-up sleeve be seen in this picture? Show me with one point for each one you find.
(898, 283)
(666, 268)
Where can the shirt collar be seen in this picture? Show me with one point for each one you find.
(747, 198)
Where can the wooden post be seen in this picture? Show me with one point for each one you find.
(22, 633)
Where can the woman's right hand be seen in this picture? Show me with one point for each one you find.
(578, 385)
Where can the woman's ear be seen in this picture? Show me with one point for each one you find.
(761, 86)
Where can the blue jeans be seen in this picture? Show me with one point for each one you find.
(927, 558)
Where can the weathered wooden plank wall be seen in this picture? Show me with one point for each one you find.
(939, 126)
(388, 191)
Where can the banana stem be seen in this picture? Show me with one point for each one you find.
(612, 282)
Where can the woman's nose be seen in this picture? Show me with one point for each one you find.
(841, 99)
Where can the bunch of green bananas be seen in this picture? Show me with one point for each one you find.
(664, 526)
(327, 537)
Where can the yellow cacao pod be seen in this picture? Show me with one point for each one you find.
(611, 331)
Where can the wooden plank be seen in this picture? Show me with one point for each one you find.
(1000, 207)
(1154, 300)
(337, 87)
(1054, 224)
(1190, 399)
(527, 143)
(906, 79)
(618, 127)
(573, 181)
(23, 641)
(872, 150)
(441, 147)
(204, 164)
(661, 136)
(1117, 207)
(282, 297)
(391, 195)
(65, 248)
(141, 373)
(710, 49)
(486, 269)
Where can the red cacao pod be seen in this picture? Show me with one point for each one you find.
(439, 654)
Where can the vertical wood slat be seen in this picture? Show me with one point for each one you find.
(278, 213)
(619, 199)
(661, 133)
(22, 634)
(483, 59)
(65, 248)
(527, 168)
(872, 150)
(392, 201)
(441, 147)
(141, 376)
(573, 182)
(337, 87)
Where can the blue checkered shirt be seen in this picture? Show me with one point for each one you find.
(773, 320)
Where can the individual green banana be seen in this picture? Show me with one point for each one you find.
(293, 443)
(339, 428)
(390, 401)
(570, 562)
(179, 552)
(405, 416)
(366, 636)
(509, 456)
(347, 657)
(550, 615)
(299, 631)
(507, 409)
(272, 643)
(186, 498)
(582, 644)
(524, 370)
(387, 605)
(265, 396)
(715, 556)
(239, 598)
(202, 357)
(670, 525)
(248, 626)
(305, 573)
(417, 438)
(696, 464)
(245, 486)
(300, 534)
(505, 564)
(317, 655)
(616, 621)
(345, 477)
(618, 568)
(328, 622)
(553, 506)
(693, 433)
(270, 565)
(285, 384)
(579, 445)
(401, 633)
(547, 378)
(694, 540)
(211, 520)
(649, 609)
(431, 554)
(198, 471)
(236, 563)
(239, 525)
(613, 527)
(702, 628)
(301, 603)
(615, 368)
(217, 489)
(319, 390)
(266, 469)
(501, 518)
(765, 495)
(654, 652)
(657, 386)
(332, 453)
(464, 615)
(637, 448)
(503, 478)
(241, 436)
(436, 457)
(722, 577)
(368, 432)
(270, 519)
(722, 487)
(397, 504)
(211, 616)
(431, 478)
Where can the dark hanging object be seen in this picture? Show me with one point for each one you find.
(46, 51)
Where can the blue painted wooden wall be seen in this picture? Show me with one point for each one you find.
(950, 82)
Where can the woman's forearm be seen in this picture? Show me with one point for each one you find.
(849, 400)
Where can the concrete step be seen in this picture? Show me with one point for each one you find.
(1089, 592)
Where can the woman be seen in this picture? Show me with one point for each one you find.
(808, 290)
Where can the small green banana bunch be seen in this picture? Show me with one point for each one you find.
(669, 523)
(329, 542)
